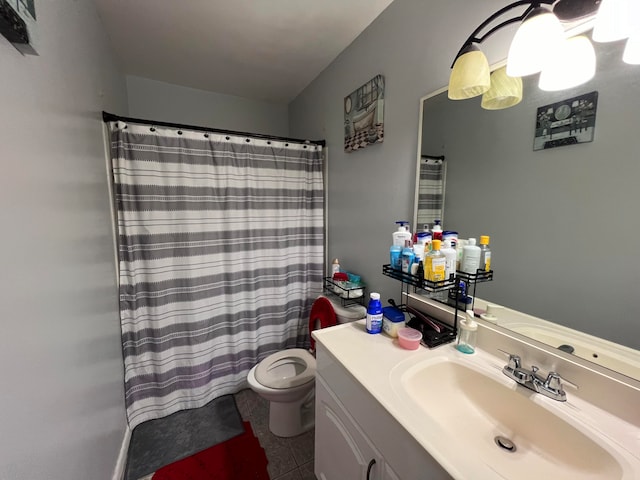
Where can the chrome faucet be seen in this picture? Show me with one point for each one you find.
(551, 387)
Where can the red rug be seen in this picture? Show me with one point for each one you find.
(239, 458)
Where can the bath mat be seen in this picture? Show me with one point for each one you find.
(239, 458)
(160, 442)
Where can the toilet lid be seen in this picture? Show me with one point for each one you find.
(299, 365)
(322, 311)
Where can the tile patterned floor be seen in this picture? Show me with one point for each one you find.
(289, 458)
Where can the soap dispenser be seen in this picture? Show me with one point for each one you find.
(467, 336)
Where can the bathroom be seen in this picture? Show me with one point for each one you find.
(62, 400)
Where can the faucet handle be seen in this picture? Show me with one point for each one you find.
(555, 382)
(514, 360)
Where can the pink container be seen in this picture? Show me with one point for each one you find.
(409, 338)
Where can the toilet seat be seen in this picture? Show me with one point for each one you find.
(286, 369)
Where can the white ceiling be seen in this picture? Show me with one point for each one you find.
(259, 49)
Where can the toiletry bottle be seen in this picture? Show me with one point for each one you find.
(335, 267)
(470, 257)
(451, 235)
(436, 231)
(435, 263)
(467, 336)
(485, 253)
(395, 253)
(402, 234)
(451, 256)
(407, 257)
(374, 314)
(418, 251)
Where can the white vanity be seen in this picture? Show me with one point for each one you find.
(383, 412)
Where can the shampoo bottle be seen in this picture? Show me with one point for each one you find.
(468, 332)
(470, 257)
(395, 253)
(451, 257)
(407, 257)
(436, 231)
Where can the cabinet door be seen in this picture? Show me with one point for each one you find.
(342, 451)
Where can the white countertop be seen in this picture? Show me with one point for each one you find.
(371, 360)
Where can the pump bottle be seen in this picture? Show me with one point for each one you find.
(436, 231)
(401, 235)
(468, 332)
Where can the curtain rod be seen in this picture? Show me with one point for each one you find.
(433, 157)
(110, 117)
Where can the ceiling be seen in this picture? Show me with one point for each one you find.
(260, 49)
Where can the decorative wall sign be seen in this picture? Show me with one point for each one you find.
(567, 122)
(364, 115)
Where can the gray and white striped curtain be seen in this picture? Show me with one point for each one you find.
(220, 258)
(430, 192)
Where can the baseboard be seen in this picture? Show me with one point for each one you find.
(121, 464)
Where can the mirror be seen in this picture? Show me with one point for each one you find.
(564, 221)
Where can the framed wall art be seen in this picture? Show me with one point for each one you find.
(364, 115)
(567, 122)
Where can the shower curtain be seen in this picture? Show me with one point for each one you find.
(430, 191)
(220, 253)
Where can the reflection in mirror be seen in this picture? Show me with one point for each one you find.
(563, 221)
(429, 190)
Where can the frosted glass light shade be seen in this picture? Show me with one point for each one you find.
(470, 75)
(533, 42)
(631, 53)
(573, 64)
(612, 21)
(505, 91)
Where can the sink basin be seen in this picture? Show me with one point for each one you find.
(473, 408)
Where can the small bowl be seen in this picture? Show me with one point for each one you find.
(409, 338)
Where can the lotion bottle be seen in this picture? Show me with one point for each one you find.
(470, 257)
(401, 235)
(468, 331)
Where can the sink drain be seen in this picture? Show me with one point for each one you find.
(505, 444)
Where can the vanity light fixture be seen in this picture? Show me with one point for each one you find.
(505, 91)
(575, 64)
(617, 20)
(534, 42)
(612, 21)
(631, 53)
(539, 45)
(470, 74)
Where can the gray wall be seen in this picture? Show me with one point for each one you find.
(154, 100)
(412, 44)
(61, 403)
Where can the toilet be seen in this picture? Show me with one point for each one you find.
(287, 378)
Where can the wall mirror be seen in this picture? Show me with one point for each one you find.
(564, 221)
